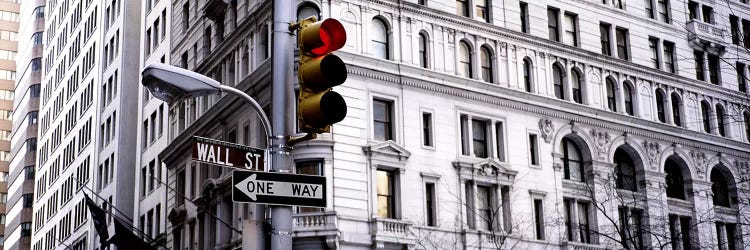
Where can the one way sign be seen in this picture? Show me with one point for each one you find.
(278, 188)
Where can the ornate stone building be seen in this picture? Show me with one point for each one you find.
(487, 124)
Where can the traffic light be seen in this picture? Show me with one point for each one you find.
(318, 106)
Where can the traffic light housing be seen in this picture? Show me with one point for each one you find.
(318, 107)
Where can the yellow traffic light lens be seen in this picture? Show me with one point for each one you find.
(323, 109)
(322, 73)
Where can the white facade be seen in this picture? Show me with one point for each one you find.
(467, 132)
(149, 211)
(87, 118)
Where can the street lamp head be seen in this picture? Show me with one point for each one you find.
(169, 83)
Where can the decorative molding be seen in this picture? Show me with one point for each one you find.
(547, 129)
(743, 170)
(699, 159)
(601, 141)
(653, 150)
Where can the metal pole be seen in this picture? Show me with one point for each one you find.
(283, 16)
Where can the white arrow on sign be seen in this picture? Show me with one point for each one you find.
(252, 187)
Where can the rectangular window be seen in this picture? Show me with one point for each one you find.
(382, 119)
(484, 208)
(699, 65)
(147, 44)
(470, 214)
(385, 194)
(479, 138)
(539, 219)
(571, 29)
(186, 16)
(604, 39)
(584, 232)
(427, 129)
(524, 17)
(500, 141)
(483, 8)
(533, 150)
(430, 204)
(623, 48)
(708, 14)
(731, 229)
(631, 226)
(553, 27)
(693, 9)
(734, 29)
(663, 9)
(669, 63)
(653, 45)
(462, 8)
(713, 68)
(314, 167)
(746, 33)
(741, 77)
(650, 8)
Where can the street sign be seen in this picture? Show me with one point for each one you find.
(278, 188)
(227, 154)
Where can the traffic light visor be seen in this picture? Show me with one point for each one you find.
(323, 37)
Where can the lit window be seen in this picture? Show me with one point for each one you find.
(385, 190)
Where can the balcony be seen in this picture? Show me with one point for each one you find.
(315, 224)
(571, 245)
(706, 36)
(391, 231)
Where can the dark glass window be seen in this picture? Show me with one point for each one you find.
(575, 79)
(611, 99)
(479, 138)
(660, 106)
(527, 77)
(604, 39)
(674, 180)
(676, 111)
(623, 49)
(720, 188)
(720, 116)
(705, 109)
(572, 161)
(485, 58)
(524, 17)
(628, 95)
(539, 219)
(427, 129)
(625, 170)
(553, 25)
(423, 50)
(699, 65)
(430, 204)
(382, 119)
(558, 78)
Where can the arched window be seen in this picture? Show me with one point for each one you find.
(307, 10)
(611, 100)
(705, 109)
(747, 125)
(423, 50)
(485, 57)
(625, 170)
(628, 94)
(674, 180)
(464, 60)
(572, 161)
(558, 78)
(676, 111)
(720, 188)
(720, 116)
(575, 79)
(527, 75)
(379, 43)
(660, 106)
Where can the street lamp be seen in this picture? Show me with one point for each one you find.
(172, 84)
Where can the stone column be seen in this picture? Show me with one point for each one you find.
(657, 213)
(704, 213)
(620, 95)
(491, 142)
(470, 135)
(668, 106)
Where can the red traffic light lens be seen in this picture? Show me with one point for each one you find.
(331, 36)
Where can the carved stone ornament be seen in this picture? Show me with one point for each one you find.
(743, 168)
(652, 151)
(699, 158)
(601, 142)
(547, 128)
